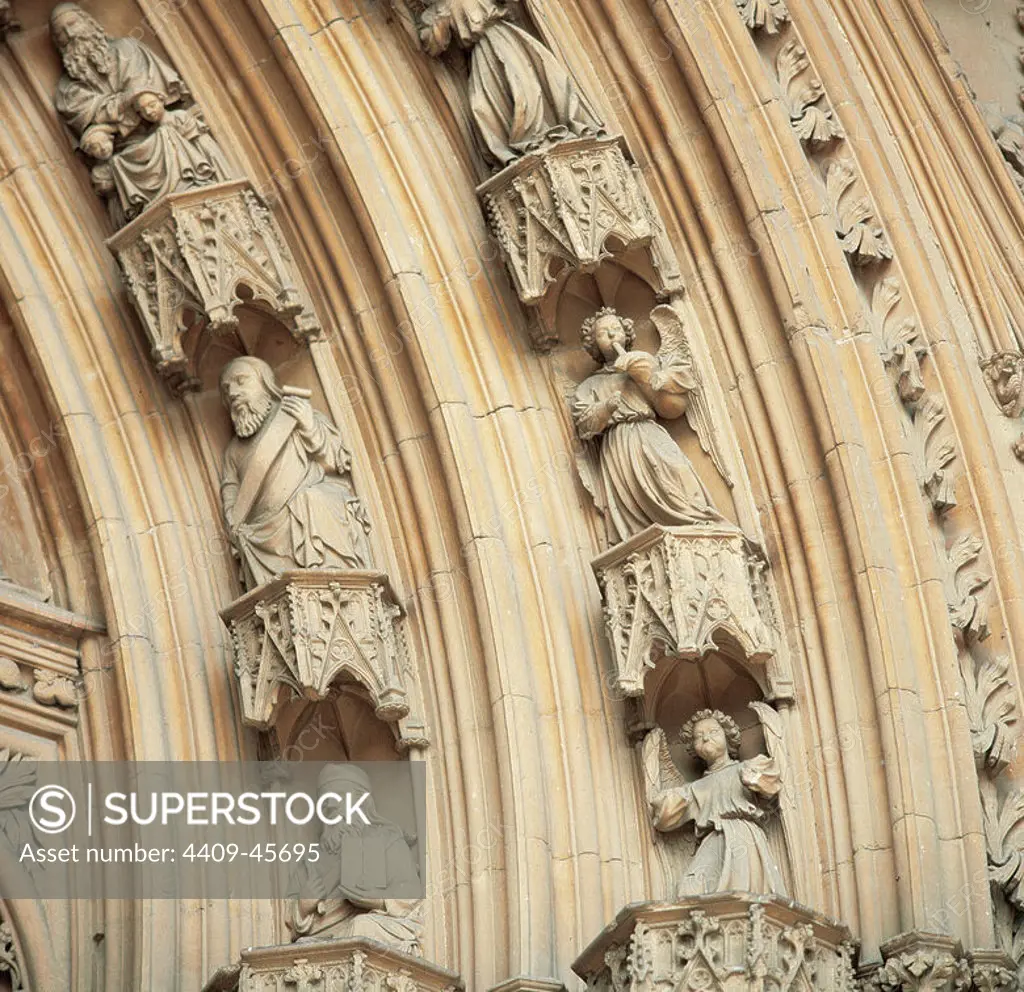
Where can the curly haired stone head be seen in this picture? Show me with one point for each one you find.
(588, 332)
(727, 723)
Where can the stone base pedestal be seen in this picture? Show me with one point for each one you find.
(731, 942)
(570, 207)
(193, 252)
(310, 628)
(674, 590)
(350, 964)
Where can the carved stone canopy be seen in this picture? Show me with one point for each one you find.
(570, 207)
(192, 253)
(349, 964)
(678, 590)
(309, 628)
(733, 942)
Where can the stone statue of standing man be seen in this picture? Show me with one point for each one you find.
(286, 489)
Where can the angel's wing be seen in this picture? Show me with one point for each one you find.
(588, 464)
(771, 725)
(660, 771)
(675, 348)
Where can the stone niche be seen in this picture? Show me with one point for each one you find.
(194, 257)
(684, 591)
(306, 630)
(731, 942)
(348, 964)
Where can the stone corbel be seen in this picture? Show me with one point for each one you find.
(194, 253)
(679, 591)
(732, 942)
(354, 964)
(569, 208)
(307, 629)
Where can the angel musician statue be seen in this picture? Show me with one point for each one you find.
(728, 806)
(643, 478)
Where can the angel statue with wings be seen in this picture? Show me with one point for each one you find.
(728, 806)
(643, 477)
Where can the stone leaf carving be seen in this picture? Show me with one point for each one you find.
(346, 964)
(814, 124)
(1003, 819)
(991, 709)
(561, 209)
(1009, 136)
(719, 943)
(54, 689)
(763, 15)
(992, 971)
(307, 629)
(924, 970)
(10, 676)
(9, 964)
(132, 115)
(673, 590)
(901, 346)
(968, 608)
(191, 253)
(733, 856)
(936, 452)
(860, 235)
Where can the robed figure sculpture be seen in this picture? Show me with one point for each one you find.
(286, 486)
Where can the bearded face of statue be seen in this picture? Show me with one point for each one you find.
(83, 46)
(247, 399)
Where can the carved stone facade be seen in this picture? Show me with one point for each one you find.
(614, 406)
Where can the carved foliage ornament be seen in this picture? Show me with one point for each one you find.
(8, 22)
(813, 123)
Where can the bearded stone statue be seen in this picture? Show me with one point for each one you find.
(520, 95)
(114, 97)
(344, 893)
(286, 489)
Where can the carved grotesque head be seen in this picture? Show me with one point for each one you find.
(248, 388)
(82, 42)
(601, 333)
(710, 735)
